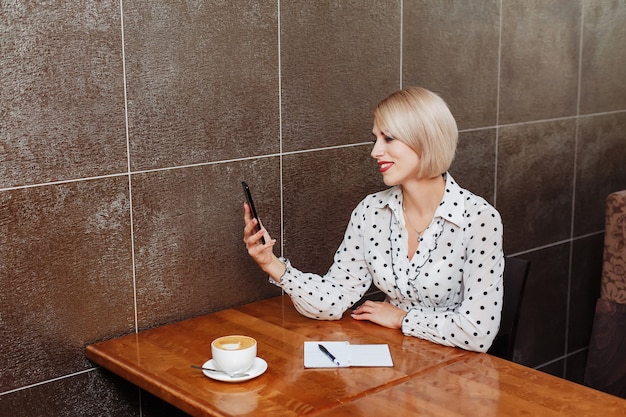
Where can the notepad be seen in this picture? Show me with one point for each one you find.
(348, 355)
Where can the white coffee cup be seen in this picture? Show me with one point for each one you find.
(234, 353)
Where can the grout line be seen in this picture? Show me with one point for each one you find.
(495, 168)
(536, 121)
(201, 164)
(280, 141)
(247, 158)
(68, 181)
(574, 182)
(280, 138)
(145, 171)
(350, 145)
(47, 381)
(565, 356)
(130, 189)
(560, 242)
(401, 42)
(602, 113)
(599, 232)
(129, 172)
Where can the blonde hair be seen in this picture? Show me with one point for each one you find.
(422, 120)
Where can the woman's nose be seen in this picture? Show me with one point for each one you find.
(377, 150)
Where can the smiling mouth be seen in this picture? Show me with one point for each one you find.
(384, 166)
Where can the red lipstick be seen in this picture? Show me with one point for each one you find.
(384, 166)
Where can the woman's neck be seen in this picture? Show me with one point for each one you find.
(423, 196)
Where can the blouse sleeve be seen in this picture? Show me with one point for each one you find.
(474, 324)
(327, 297)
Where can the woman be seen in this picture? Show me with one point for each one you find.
(433, 248)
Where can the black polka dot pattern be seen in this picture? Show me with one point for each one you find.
(451, 287)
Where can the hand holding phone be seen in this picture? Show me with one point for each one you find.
(246, 190)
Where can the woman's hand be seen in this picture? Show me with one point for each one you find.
(263, 254)
(381, 313)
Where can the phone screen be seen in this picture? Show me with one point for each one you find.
(250, 201)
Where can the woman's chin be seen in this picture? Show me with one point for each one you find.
(389, 181)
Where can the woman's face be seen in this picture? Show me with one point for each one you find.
(397, 162)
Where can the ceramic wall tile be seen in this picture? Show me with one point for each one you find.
(600, 168)
(202, 81)
(321, 189)
(535, 183)
(338, 60)
(539, 62)
(61, 88)
(542, 323)
(189, 255)
(603, 60)
(474, 165)
(575, 366)
(586, 274)
(65, 258)
(452, 48)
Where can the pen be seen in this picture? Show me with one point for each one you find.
(330, 355)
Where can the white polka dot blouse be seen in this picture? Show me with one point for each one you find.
(451, 288)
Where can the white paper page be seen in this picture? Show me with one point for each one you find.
(370, 355)
(315, 358)
(346, 354)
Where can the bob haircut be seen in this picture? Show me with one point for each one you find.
(422, 120)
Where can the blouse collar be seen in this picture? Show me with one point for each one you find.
(451, 207)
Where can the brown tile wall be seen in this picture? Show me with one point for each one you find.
(120, 167)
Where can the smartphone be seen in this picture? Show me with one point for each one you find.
(246, 190)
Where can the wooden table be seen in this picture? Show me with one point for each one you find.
(426, 378)
(483, 385)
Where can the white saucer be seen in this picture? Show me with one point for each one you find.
(258, 368)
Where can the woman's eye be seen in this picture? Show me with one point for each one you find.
(385, 138)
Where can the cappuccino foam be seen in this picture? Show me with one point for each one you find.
(234, 342)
